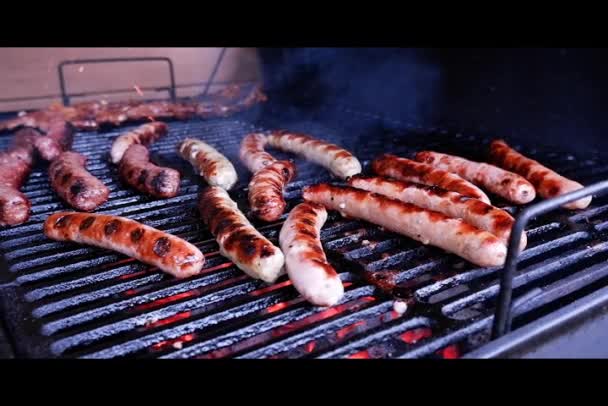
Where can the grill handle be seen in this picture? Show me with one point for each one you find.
(502, 315)
(66, 97)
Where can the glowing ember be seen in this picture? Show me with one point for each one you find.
(450, 352)
(130, 292)
(175, 343)
(138, 90)
(413, 336)
(288, 329)
(343, 332)
(169, 320)
(259, 292)
(310, 347)
(165, 300)
(131, 275)
(215, 268)
(150, 118)
(276, 307)
(360, 355)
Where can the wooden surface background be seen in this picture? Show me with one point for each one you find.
(26, 72)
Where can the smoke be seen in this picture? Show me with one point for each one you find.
(399, 84)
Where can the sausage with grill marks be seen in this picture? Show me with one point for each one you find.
(238, 240)
(548, 183)
(429, 227)
(266, 190)
(452, 204)
(145, 134)
(411, 171)
(15, 167)
(503, 183)
(169, 253)
(58, 139)
(337, 160)
(305, 260)
(74, 184)
(136, 170)
(252, 152)
(214, 167)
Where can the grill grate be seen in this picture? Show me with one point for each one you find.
(62, 299)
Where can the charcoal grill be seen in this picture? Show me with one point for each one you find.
(65, 300)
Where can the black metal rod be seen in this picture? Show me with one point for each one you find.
(66, 97)
(216, 68)
(503, 316)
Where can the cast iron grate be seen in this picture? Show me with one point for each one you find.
(65, 300)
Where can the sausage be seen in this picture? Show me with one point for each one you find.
(503, 183)
(305, 260)
(15, 167)
(452, 204)
(429, 227)
(58, 139)
(266, 190)
(411, 171)
(74, 184)
(137, 171)
(14, 206)
(145, 134)
(214, 167)
(167, 252)
(252, 152)
(337, 160)
(239, 241)
(548, 183)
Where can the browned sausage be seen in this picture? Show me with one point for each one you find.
(145, 134)
(58, 139)
(209, 162)
(146, 244)
(503, 183)
(548, 183)
(452, 204)
(305, 260)
(252, 152)
(136, 170)
(239, 241)
(427, 226)
(74, 184)
(337, 160)
(266, 190)
(15, 166)
(411, 171)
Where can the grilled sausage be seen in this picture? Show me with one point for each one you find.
(452, 204)
(266, 190)
(339, 161)
(169, 253)
(503, 183)
(548, 183)
(426, 226)
(411, 171)
(252, 152)
(239, 241)
(214, 167)
(15, 166)
(145, 134)
(305, 260)
(74, 184)
(58, 139)
(137, 171)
